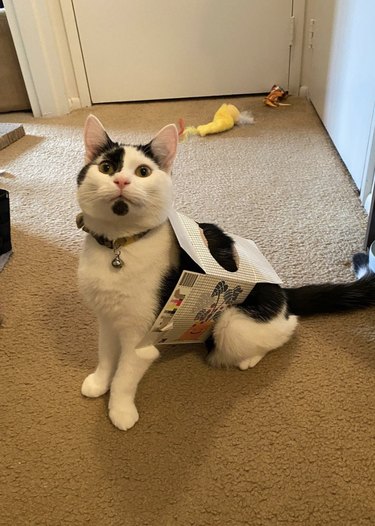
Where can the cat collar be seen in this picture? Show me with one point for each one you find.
(114, 245)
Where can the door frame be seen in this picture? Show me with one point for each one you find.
(48, 48)
(50, 66)
(69, 19)
(368, 176)
(297, 31)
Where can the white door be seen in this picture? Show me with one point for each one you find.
(341, 63)
(145, 49)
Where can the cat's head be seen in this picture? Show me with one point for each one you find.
(125, 189)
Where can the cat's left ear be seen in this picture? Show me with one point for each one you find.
(164, 146)
(95, 138)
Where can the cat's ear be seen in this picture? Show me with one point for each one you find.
(95, 138)
(164, 146)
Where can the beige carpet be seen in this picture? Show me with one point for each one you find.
(290, 442)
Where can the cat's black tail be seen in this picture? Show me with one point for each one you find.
(331, 297)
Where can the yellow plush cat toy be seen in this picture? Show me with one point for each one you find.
(224, 119)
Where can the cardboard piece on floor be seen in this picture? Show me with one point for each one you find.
(10, 133)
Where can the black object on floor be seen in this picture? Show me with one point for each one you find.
(5, 238)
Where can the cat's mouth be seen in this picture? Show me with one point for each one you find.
(119, 207)
(124, 199)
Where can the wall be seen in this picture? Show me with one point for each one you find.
(339, 70)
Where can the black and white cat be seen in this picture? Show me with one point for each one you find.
(125, 194)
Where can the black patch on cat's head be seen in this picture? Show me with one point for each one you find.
(115, 156)
(112, 152)
(82, 173)
(146, 149)
(120, 208)
(106, 146)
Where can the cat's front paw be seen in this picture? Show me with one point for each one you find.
(124, 417)
(94, 386)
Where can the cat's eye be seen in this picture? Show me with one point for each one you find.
(143, 171)
(106, 168)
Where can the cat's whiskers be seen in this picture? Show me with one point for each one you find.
(156, 201)
(137, 196)
(90, 196)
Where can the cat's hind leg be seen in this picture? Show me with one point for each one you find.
(242, 341)
(98, 382)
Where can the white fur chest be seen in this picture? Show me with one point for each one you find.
(128, 295)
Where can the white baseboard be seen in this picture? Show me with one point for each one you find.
(367, 203)
(304, 92)
(74, 103)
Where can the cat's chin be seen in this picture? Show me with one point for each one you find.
(123, 221)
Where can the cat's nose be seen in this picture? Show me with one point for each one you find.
(121, 182)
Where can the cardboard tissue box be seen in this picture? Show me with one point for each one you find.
(199, 298)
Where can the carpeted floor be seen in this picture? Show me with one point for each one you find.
(290, 442)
